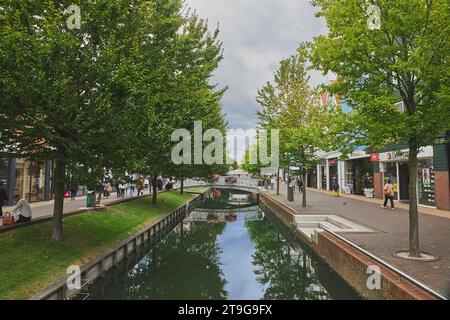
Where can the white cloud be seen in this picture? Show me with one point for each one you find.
(257, 35)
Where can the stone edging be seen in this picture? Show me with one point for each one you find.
(352, 264)
(75, 212)
(98, 267)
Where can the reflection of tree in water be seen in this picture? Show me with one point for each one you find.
(182, 267)
(287, 274)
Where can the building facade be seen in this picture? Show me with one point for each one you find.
(366, 174)
(31, 180)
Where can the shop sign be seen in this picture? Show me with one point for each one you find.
(357, 154)
(374, 157)
(332, 162)
(387, 156)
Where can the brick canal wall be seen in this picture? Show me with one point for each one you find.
(352, 264)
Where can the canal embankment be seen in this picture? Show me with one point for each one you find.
(348, 259)
(31, 261)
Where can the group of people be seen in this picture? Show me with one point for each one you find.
(296, 182)
(21, 212)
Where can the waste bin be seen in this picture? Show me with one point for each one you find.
(90, 200)
(291, 194)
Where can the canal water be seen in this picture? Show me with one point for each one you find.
(223, 251)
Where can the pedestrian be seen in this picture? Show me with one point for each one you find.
(22, 211)
(388, 194)
(293, 184)
(272, 181)
(160, 183)
(122, 190)
(140, 186)
(73, 191)
(131, 186)
(300, 185)
(335, 186)
(169, 185)
(3, 197)
(117, 189)
(108, 190)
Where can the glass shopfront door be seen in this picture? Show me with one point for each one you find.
(30, 180)
(403, 171)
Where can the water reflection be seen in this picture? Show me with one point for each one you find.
(240, 258)
(287, 274)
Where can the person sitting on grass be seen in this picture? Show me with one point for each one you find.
(22, 210)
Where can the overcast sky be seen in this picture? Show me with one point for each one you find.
(257, 35)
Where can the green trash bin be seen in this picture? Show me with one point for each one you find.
(90, 200)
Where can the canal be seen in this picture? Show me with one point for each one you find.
(228, 248)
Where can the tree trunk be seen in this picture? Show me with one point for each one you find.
(278, 182)
(414, 248)
(182, 186)
(155, 190)
(304, 190)
(58, 208)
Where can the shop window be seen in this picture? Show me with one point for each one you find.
(4, 172)
(426, 183)
(30, 180)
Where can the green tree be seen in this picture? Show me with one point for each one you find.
(403, 58)
(62, 89)
(183, 56)
(292, 106)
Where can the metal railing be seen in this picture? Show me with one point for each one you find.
(387, 265)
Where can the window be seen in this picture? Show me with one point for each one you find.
(4, 172)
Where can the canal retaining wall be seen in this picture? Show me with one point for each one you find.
(98, 268)
(351, 263)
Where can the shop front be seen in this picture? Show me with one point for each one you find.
(312, 178)
(426, 183)
(322, 180)
(332, 171)
(395, 168)
(32, 180)
(359, 175)
(4, 172)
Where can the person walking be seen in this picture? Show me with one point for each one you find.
(272, 182)
(300, 185)
(3, 198)
(73, 191)
(122, 190)
(140, 186)
(388, 194)
(335, 186)
(131, 186)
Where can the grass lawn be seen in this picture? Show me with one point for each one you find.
(30, 261)
(195, 190)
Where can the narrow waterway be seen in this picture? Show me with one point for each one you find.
(227, 253)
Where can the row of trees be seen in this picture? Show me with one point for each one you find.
(105, 98)
(403, 57)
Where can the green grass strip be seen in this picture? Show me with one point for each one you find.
(30, 261)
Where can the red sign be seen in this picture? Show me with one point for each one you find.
(332, 162)
(374, 157)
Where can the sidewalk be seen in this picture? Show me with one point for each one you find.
(392, 235)
(45, 208)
